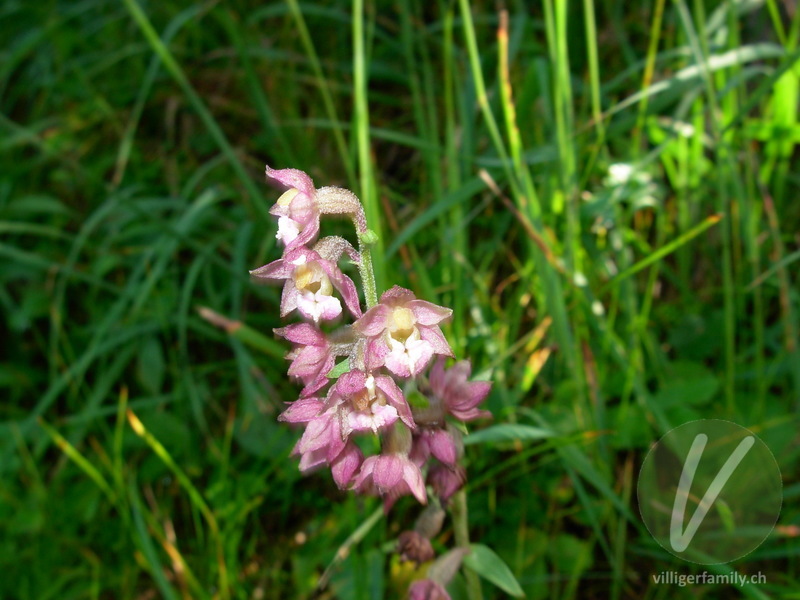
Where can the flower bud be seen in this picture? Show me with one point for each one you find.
(447, 565)
(425, 589)
(411, 546)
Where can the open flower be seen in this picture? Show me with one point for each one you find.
(310, 280)
(297, 209)
(391, 475)
(456, 395)
(368, 403)
(312, 358)
(321, 442)
(403, 332)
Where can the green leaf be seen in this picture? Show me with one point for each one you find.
(339, 370)
(508, 432)
(725, 514)
(262, 435)
(417, 400)
(571, 558)
(258, 340)
(150, 367)
(689, 383)
(491, 567)
(631, 427)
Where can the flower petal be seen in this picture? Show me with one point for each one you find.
(366, 470)
(377, 418)
(346, 465)
(302, 333)
(288, 298)
(350, 383)
(302, 411)
(427, 589)
(397, 295)
(470, 414)
(442, 446)
(435, 337)
(388, 471)
(446, 481)
(315, 385)
(437, 377)
(316, 435)
(476, 392)
(288, 230)
(395, 398)
(292, 178)
(373, 322)
(419, 355)
(375, 353)
(318, 306)
(277, 269)
(428, 313)
(397, 361)
(309, 232)
(348, 291)
(312, 460)
(413, 477)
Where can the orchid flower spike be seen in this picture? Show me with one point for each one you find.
(392, 343)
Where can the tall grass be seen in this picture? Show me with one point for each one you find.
(602, 191)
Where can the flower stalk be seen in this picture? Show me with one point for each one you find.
(461, 532)
(365, 242)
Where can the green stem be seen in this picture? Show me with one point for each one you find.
(366, 239)
(461, 530)
(361, 133)
(367, 275)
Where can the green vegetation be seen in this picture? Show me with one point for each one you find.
(604, 192)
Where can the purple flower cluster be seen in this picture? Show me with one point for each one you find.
(385, 355)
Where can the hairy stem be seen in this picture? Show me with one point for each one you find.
(335, 200)
(366, 239)
(367, 274)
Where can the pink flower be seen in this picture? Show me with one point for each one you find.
(427, 589)
(297, 209)
(321, 442)
(391, 475)
(403, 332)
(436, 441)
(366, 402)
(312, 358)
(310, 280)
(445, 480)
(459, 395)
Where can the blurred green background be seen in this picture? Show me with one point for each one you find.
(605, 193)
